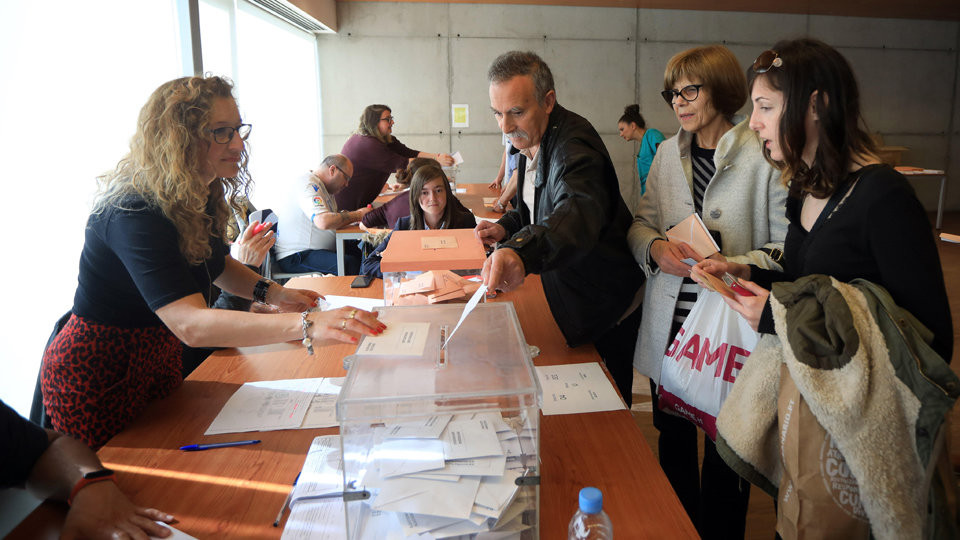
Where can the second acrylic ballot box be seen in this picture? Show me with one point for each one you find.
(441, 439)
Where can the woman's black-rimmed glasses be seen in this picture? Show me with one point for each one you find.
(689, 93)
(225, 134)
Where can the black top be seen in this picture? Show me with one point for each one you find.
(131, 266)
(21, 443)
(880, 233)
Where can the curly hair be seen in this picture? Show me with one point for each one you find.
(164, 163)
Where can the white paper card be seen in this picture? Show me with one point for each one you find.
(496, 491)
(472, 303)
(482, 466)
(577, 388)
(366, 304)
(323, 407)
(428, 428)
(315, 520)
(266, 406)
(470, 439)
(446, 499)
(399, 339)
(395, 457)
(321, 473)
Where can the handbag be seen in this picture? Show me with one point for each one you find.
(703, 360)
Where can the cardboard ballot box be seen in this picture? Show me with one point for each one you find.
(441, 440)
(429, 267)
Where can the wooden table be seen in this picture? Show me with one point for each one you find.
(236, 492)
(472, 198)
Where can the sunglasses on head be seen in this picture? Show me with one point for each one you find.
(767, 61)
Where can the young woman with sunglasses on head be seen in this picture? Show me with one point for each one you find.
(714, 167)
(850, 215)
(154, 248)
(375, 153)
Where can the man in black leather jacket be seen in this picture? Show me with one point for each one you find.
(577, 237)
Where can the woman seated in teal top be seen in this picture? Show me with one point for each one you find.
(632, 127)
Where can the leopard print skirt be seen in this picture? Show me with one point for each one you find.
(97, 378)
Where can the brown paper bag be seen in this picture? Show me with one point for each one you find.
(818, 496)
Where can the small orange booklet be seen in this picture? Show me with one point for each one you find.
(692, 231)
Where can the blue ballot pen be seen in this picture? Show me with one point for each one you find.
(196, 447)
(276, 522)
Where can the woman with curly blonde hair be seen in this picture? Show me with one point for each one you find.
(155, 244)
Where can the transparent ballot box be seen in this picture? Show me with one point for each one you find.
(431, 267)
(441, 440)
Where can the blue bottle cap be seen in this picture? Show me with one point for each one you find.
(591, 500)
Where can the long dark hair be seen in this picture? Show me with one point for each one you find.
(631, 113)
(422, 176)
(808, 66)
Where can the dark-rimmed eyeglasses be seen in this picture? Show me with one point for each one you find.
(225, 134)
(387, 119)
(689, 93)
(767, 61)
(344, 173)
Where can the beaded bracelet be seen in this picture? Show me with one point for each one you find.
(306, 323)
(260, 290)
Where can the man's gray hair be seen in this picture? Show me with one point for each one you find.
(510, 64)
(335, 160)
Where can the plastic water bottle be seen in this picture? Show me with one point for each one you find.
(590, 522)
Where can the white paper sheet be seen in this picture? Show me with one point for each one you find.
(470, 439)
(482, 466)
(457, 158)
(323, 407)
(266, 406)
(396, 457)
(428, 428)
(418, 523)
(416, 496)
(399, 339)
(315, 520)
(366, 304)
(176, 533)
(472, 303)
(321, 473)
(577, 388)
(491, 416)
(496, 491)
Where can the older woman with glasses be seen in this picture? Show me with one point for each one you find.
(154, 248)
(712, 166)
(376, 153)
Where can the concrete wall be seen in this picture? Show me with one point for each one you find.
(421, 58)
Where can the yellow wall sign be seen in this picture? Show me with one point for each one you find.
(461, 116)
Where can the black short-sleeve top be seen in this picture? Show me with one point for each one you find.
(131, 266)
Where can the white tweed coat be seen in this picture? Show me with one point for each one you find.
(745, 201)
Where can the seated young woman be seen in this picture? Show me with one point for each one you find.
(432, 205)
(386, 215)
(154, 248)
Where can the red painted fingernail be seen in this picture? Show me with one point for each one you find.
(353, 339)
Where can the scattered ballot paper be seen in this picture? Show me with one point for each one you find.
(577, 388)
(266, 406)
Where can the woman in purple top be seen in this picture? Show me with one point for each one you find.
(375, 154)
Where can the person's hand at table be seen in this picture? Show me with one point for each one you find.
(254, 243)
(345, 324)
(292, 300)
(669, 256)
(445, 159)
(503, 270)
(101, 510)
(489, 232)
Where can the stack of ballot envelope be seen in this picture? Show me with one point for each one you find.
(431, 287)
(441, 477)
